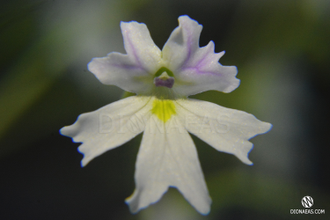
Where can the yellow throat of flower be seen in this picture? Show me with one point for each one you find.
(163, 108)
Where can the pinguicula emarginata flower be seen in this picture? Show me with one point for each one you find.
(162, 81)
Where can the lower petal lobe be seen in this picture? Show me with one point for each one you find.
(227, 130)
(109, 126)
(168, 157)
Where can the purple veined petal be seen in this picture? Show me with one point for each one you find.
(133, 71)
(196, 69)
(227, 130)
(168, 157)
(109, 126)
(117, 69)
(140, 47)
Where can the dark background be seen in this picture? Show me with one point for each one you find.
(281, 49)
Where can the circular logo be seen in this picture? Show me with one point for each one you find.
(307, 201)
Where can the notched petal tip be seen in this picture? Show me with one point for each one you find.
(266, 127)
(128, 25)
(93, 65)
(187, 19)
(140, 200)
(64, 131)
(220, 53)
(86, 159)
(133, 205)
(83, 164)
(234, 82)
(97, 67)
(245, 157)
(205, 211)
(70, 131)
(242, 153)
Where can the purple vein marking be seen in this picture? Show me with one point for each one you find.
(134, 51)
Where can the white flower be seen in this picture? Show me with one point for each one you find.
(161, 110)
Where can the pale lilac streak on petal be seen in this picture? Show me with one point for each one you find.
(206, 57)
(109, 127)
(168, 157)
(225, 129)
(140, 47)
(196, 80)
(117, 69)
(133, 71)
(182, 43)
(196, 69)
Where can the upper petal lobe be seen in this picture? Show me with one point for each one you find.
(196, 69)
(133, 71)
(140, 47)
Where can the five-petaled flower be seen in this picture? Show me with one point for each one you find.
(162, 81)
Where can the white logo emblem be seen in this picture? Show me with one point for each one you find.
(307, 201)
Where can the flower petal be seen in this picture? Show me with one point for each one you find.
(140, 47)
(225, 129)
(133, 71)
(168, 157)
(196, 69)
(109, 126)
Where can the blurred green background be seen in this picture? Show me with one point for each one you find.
(282, 52)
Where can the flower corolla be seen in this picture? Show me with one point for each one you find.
(162, 81)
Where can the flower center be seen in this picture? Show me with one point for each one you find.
(164, 109)
(164, 80)
(164, 77)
